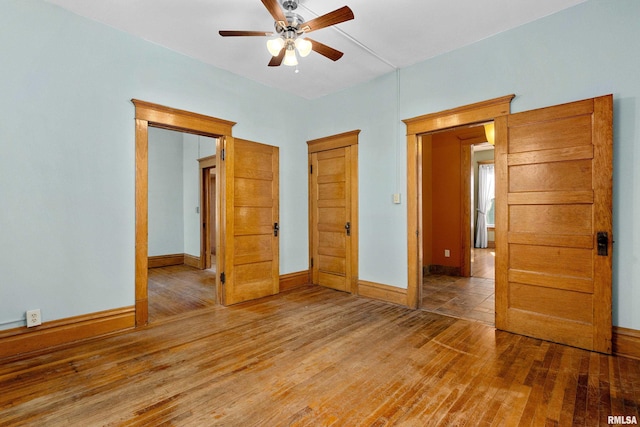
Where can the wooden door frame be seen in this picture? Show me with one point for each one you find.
(346, 139)
(416, 127)
(207, 166)
(153, 115)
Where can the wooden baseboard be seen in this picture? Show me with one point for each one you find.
(58, 332)
(166, 260)
(294, 280)
(626, 342)
(445, 270)
(382, 292)
(192, 261)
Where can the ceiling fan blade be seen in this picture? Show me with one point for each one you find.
(332, 18)
(277, 60)
(232, 33)
(325, 50)
(275, 10)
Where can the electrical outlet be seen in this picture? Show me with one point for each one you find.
(34, 318)
(447, 253)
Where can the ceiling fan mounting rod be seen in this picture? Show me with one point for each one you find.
(290, 4)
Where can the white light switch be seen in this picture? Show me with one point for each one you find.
(447, 253)
(396, 198)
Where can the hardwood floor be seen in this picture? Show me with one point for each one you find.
(313, 356)
(471, 298)
(483, 263)
(179, 289)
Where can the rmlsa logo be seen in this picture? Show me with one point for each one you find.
(622, 419)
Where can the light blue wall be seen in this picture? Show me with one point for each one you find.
(67, 155)
(194, 148)
(166, 193)
(589, 50)
(67, 138)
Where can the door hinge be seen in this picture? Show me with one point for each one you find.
(311, 262)
(276, 228)
(222, 154)
(310, 169)
(223, 278)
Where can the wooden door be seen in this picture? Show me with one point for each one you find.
(251, 252)
(333, 211)
(553, 193)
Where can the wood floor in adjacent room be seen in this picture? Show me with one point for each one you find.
(313, 356)
(179, 289)
(471, 298)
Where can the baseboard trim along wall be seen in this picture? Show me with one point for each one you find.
(192, 261)
(50, 334)
(166, 260)
(294, 280)
(174, 259)
(626, 342)
(382, 292)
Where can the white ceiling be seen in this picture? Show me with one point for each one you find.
(384, 35)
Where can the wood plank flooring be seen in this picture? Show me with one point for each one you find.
(313, 356)
(179, 289)
(471, 298)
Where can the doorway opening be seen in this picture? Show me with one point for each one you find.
(176, 284)
(210, 226)
(420, 131)
(147, 116)
(457, 264)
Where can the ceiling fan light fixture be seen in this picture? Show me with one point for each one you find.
(275, 46)
(290, 58)
(304, 47)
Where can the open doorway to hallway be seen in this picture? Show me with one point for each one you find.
(180, 276)
(458, 224)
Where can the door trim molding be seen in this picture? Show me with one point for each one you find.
(154, 115)
(417, 126)
(206, 170)
(346, 139)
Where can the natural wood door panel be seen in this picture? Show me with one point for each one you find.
(333, 264)
(553, 193)
(253, 220)
(558, 176)
(578, 334)
(551, 219)
(332, 217)
(557, 261)
(332, 280)
(550, 197)
(333, 222)
(559, 240)
(253, 248)
(551, 302)
(552, 155)
(551, 281)
(332, 191)
(251, 263)
(559, 133)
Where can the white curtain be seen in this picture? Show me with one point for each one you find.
(485, 194)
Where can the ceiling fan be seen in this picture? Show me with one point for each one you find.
(291, 29)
